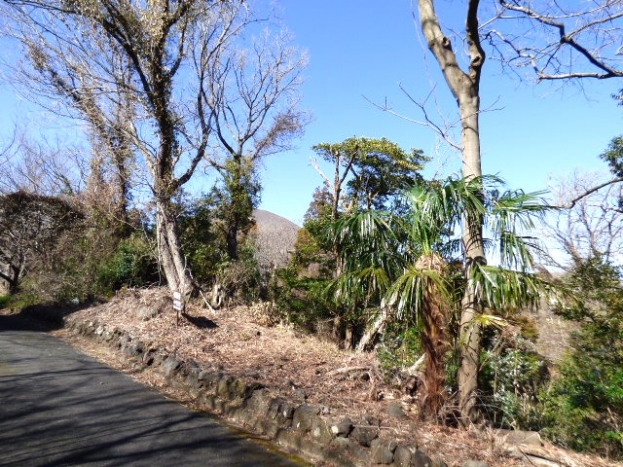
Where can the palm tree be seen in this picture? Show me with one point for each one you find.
(407, 264)
(440, 211)
(373, 251)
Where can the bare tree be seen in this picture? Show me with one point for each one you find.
(252, 96)
(47, 167)
(112, 56)
(563, 44)
(592, 227)
(465, 87)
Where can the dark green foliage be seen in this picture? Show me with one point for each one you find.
(234, 199)
(89, 261)
(4, 301)
(303, 300)
(376, 171)
(205, 248)
(614, 156)
(584, 406)
(204, 227)
(382, 172)
(400, 347)
(311, 254)
(133, 264)
(510, 381)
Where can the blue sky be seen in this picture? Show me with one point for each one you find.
(362, 50)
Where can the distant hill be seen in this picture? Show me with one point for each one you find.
(274, 238)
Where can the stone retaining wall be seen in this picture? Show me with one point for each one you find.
(302, 429)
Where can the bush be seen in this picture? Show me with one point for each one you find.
(241, 281)
(584, 406)
(204, 248)
(400, 347)
(132, 264)
(511, 381)
(302, 300)
(4, 301)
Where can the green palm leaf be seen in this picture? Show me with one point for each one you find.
(507, 291)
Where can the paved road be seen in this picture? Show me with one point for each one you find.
(62, 408)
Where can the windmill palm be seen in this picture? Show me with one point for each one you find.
(373, 252)
(403, 265)
(440, 212)
(424, 290)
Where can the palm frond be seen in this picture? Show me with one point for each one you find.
(407, 293)
(507, 291)
(371, 227)
(440, 208)
(516, 251)
(517, 211)
(487, 320)
(376, 278)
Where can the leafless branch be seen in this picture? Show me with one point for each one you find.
(590, 191)
(571, 43)
(591, 222)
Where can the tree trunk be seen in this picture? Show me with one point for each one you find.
(469, 337)
(349, 332)
(121, 160)
(13, 276)
(232, 240)
(374, 330)
(12, 284)
(170, 251)
(465, 86)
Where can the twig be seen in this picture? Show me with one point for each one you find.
(348, 369)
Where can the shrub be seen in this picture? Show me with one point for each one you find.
(241, 280)
(301, 300)
(4, 301)
(132, 264)
(584, 405)
(511, 381)
(400, 347)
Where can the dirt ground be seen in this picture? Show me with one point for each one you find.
(298, 367)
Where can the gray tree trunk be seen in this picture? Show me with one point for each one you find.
(465, 87)
(170, 251)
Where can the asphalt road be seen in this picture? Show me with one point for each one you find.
(59, 407)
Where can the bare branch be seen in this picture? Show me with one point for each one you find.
(428, 121)
(573, 44)
(590, 191)
(590, 223)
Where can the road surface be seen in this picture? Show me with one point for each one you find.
(59, 407)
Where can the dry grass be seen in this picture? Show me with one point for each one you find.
(297, 366)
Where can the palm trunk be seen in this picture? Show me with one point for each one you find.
(434, 340)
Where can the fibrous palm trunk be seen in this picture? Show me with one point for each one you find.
(434, 313)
